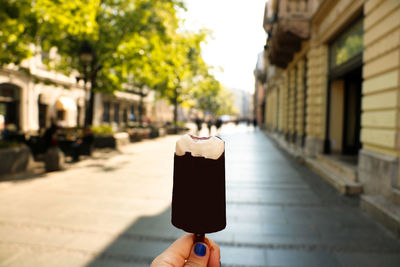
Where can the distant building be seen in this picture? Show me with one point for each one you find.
(243, 103)
(332, 93)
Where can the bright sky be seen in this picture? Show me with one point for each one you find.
(238, 37)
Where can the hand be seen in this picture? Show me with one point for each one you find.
(183, 252)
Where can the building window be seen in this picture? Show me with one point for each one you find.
(132, 115)
(42, 116)
(116, 112)
(348, 45)
(9, 105)
(125, 115)
(60, 114)
(106, 111)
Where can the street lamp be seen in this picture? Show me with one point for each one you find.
(87, 57)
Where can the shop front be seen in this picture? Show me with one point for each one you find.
(9, 106)
(344, 91)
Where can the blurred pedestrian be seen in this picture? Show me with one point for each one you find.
(209, 126)
(255, 123)
(185, 252)
(50, 136)
(218, 123)
(198, 122)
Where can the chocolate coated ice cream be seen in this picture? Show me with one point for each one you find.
(198, 197)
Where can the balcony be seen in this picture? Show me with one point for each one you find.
(287, 23)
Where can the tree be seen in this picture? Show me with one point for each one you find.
(169, 62)
(18, 26)
(181, 69)
(141, 54)
(211, 97)
(135, 44)
(106, 25)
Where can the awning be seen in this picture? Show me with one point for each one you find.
(65, 103)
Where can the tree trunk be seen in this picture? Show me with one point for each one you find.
(176, 110)
(141, 107)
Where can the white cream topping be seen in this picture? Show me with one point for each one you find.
(209, 147)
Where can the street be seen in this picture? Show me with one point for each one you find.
(114, 210)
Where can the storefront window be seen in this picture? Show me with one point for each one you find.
(106, 111)
(116, 112)
(348, 45)
(125, 115)
(132, 116)
(9, 106)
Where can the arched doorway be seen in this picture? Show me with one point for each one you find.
(9, 105)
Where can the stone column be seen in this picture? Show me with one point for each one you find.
(317, 59)
(300, 103)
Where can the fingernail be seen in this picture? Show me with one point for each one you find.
(200, 249)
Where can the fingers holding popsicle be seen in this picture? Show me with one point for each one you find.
(183, 252)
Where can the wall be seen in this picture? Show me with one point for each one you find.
(379, 159)
(380, 103)
(317, 59)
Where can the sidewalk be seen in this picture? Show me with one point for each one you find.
(115, 211)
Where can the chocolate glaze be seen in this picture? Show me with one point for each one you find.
(198, 197)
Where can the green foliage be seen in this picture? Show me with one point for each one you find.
(102, 130)
(212, 97)
(181, 68)
(128, 40)
(181, 124)
(17, 30)
(137, 45)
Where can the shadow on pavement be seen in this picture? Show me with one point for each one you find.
(21, 177)
(37, 170)
(139, 243)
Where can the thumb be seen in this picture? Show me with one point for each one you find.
(199, 255)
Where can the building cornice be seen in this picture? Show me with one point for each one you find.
(39, 79)
(322, 10)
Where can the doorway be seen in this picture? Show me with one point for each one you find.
(345, 113)
(352, 112)
(42, 116)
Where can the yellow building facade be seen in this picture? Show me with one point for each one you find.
(333, 92)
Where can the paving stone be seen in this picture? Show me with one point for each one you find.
(300, 258)
(42, 258)
(242, 256)
(8, 254)
(368, 259)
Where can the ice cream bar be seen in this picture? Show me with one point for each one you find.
(198, 197)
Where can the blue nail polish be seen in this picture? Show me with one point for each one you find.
(200, 249)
